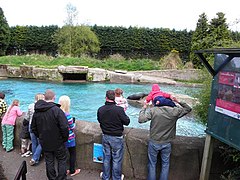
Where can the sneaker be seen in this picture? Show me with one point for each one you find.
(77, 171)
(101, 173)
(27, 154)
(32, 162)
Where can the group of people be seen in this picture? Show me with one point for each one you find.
(163, 116)
(51, 128)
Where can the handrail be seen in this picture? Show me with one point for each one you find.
(22, 171)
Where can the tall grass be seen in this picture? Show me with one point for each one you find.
(50, 62)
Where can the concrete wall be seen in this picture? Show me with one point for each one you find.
(186, 154)
(99, 75)
(185, 74)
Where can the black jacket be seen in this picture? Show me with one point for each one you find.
(24, 134)
(50, 125)
(112, 118)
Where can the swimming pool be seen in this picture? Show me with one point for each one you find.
(86, 98)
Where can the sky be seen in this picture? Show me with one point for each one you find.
(172, 14)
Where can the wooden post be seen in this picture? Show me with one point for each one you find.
(207, 158)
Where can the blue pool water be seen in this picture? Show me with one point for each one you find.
(86, 98)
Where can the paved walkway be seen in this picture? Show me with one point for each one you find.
(11, 162)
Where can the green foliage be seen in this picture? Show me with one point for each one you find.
(75, 41)
(201, 109)
(32, 39)
(197, 42)
(134, 42)
(213, 35)
(50, 62)
(231, 156)
(4, 33)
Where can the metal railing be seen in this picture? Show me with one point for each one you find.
(22, 171)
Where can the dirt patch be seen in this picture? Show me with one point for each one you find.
(2, 176)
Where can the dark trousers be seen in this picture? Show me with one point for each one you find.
(61, 156)
(163, 101)
(72, 159)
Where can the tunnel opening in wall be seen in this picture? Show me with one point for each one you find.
(74, 76)
(73, 73)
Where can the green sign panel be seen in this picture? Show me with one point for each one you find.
(224, 110)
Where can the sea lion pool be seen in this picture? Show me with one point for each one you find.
(86, 98)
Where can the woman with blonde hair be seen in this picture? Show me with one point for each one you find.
(65, 103)
(8, 123)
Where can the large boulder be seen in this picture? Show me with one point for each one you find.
(137, 100)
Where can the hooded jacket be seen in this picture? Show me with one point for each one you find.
(112, 118)
(163, 121)
(50, 125)
(156, 92)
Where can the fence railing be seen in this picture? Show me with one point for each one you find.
(22, 171)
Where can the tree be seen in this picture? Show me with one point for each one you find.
(72, 15)
(4, 33)
(200, 33)
(219, 34)
(81, 41)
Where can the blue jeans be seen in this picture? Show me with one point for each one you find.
(153, 150)
(36, 147)
(113, 149)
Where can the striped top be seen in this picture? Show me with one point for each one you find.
(3, 107)
(71, 126)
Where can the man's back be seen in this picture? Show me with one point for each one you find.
(112, 118)
(50, 125)
(163, 121)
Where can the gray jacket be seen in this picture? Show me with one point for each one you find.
(163, 121)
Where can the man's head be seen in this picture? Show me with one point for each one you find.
(49, 95)
(110, 95)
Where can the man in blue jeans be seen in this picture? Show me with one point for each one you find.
(111, 119)
(162, 132)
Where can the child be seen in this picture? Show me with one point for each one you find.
(8, 123)
(120, 100)
(160, 98)
(36, 146)
(3, 105)
(64, 101)
(25, 139)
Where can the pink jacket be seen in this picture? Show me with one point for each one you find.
(156, 92)
(10, 118)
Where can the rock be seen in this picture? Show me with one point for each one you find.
(137, 100)
(137, 96)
